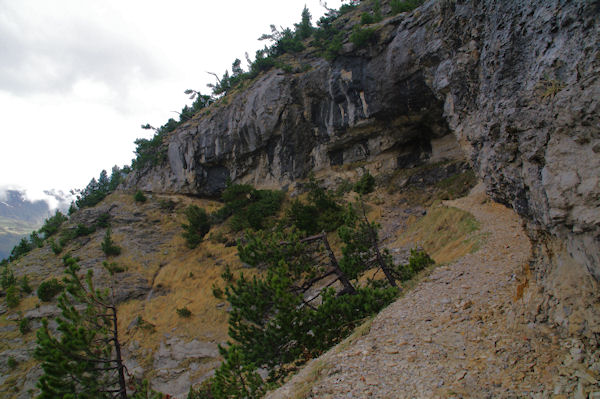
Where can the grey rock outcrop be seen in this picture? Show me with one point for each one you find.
(516, 82)
(176, 361)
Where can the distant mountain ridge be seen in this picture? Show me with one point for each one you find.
(15, 205)
(19, 216)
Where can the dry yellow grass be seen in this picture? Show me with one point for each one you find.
(180, 277)
(183, 277)
(446, 233)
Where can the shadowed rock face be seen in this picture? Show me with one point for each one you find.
(286, 125)
(516, 82)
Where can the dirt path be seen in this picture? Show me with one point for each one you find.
(459, 333)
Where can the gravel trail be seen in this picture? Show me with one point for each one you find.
(459, 333)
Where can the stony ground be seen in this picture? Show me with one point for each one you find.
(460, 333)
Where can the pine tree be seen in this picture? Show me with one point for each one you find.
(108, 245)
(290, 311)
(304, 28)
(116, 178)
(236, 378)
(197, 227)
(103, 182)
(83, 360)
(36, 240)
(20, 249)
(52, 224)
(7, 277)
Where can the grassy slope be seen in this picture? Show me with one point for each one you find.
(181, 277)
(446, 233)
(152, 248)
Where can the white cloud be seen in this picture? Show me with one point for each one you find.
(79, 77)
(49, 50)
(55, 198)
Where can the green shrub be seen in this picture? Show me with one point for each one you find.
(108, 245)
(52, 224)
(139, 196)
(270, 323)
(82, 230)
(217, 291)
(68, 235)
(346, 8)
(152, 152)
(24, 285)
(167, 205)
(103, 220)
(235, 197)
(113, 268)
(361, 37)
(7, 279)
(12, 297)
(141, 390)
(366, 184)
(235, 378)
(218, 238)
(339, 315)
(12, 363)
(144, 325)
(328, 37)
(304, 29)
(65, 237)
(23, 247)
(197, 227)
(399, 6)
(97, 190)
(56, 248)
(285, 42)
(184, 312)
(248, 207)
(25, 325)
(35, 240)
(49, 289)
(322, 213)
(264, 203)
(417, 261)
(358, 249)
(344, 187)
(304, 217)
(367, 18)
(334, 47)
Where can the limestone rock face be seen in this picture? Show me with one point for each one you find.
(516, 82)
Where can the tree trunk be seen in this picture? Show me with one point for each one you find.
(380, 260)
(119, 360)
(348, 288)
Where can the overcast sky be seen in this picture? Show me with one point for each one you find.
(79, 77)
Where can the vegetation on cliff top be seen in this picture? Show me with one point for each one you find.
(326, 37)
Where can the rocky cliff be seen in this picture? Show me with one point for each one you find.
(515, 83)
(510, 87)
